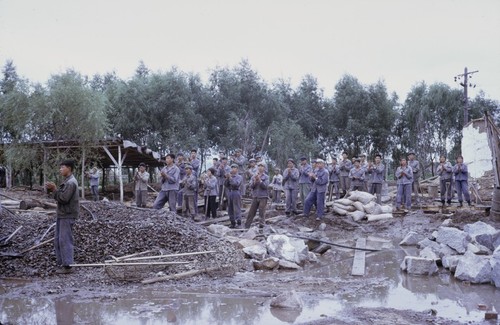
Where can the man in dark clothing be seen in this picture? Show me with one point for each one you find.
(68, 208)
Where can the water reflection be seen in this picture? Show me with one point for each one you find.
(385, 286)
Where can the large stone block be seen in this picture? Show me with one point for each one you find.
(453, 237)
(279, 246)
(419, 265)
(495, 267)
(287, 300)
(257, 252)
(450, 262)
(479, 228)
(270, 263)
(411, 239)
(473, 268)
(492, 241)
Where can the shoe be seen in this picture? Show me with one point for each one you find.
(232, 226)
(64, 270)
(470, 205)
(460, 204)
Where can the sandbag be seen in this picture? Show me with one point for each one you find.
(361, 196)
(348, 208)
(344, 201)
(372, 208)
(359, 206)
(339, 211)
(375, 217)
(385, 209)
(357, 215)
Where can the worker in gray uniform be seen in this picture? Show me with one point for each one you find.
(445, 172)
(415, 167)
(258, 185)
(233, 184)
(291, 186)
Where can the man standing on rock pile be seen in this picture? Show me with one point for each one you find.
(304, 180)
(190, 188)
(404, 177)
(320, 179)
(415, 167)
(444, 171)
(378, 176)
(461, 180)
(345, 167)
(233, 185)
(258, 185)
(141, 179)
(68, 208)
(169, 185)
(290, 181)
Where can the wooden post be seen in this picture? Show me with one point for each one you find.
(83, 173)
(120, 171)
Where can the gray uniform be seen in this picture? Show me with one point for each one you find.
(345, 167)
(190, 189)
(141, 188)
(415, 166)
(221, 173)
(258, 184)
(169, 188)
(94, 184)
(445, 174)
(367, 179)
(334, 171)
(233, 185)
(290, 184)
(68, 208)
(357, 176)
(241, 162)
(304, 182)
(461, 182)
(404, 178)
(211, 192)
(377, 178)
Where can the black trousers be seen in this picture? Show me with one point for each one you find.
(211, 206)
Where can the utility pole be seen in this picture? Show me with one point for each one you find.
(465, 83)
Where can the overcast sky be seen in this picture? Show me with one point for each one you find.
(399, 42)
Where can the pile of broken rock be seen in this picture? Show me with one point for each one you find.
(472, 254)
(277, 251)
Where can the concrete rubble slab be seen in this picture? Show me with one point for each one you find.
(473, 268)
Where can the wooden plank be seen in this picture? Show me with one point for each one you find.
(358, 264)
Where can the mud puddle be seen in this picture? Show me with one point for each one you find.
(243, 301)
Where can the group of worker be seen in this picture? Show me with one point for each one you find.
(408, 174)
(227, 181)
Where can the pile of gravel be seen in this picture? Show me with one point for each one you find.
(116, 230)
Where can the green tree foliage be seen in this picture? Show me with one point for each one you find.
(430, 120)
(172, 111)
(363, 117)
(73, 110)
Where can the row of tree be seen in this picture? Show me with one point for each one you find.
(174, 110)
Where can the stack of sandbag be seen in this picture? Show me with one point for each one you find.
(360, 205)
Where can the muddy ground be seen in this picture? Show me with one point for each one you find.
(33, 274)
